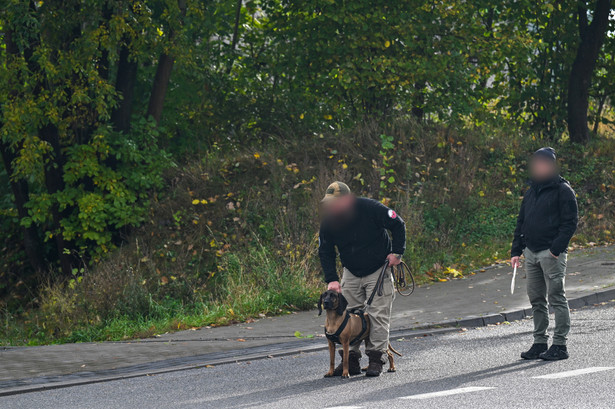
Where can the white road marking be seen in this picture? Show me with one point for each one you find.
(448, 392)
(576, 372)
(345, 407)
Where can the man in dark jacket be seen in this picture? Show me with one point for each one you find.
(358, 228)
(546, 223)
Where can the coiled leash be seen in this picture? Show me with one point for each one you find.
(401, 273)
(404, 286)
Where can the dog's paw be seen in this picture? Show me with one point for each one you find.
(329, 375)
(392, 370)
(346, 375)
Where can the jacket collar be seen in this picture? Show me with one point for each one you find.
(547, 184)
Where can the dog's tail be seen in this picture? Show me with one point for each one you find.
(393, 350)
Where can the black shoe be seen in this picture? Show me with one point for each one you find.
(375, 363)
(354, 366)
(535, 351)
(555, 353)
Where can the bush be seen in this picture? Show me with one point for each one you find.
(234, 235)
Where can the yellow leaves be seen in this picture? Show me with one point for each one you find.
(443, 280)
(196, 202)
(328, 117)
(481, 193)
(159, 31)
(344, 166)
(212, 243)
(257, 155)
(455, 273)
(387, 44)
(301, 116)
(292, 167)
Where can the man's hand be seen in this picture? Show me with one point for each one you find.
(553, 255)
(393, 260)
(514, 262)
(335, 286)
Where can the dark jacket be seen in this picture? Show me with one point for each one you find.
(364, 243)
(548, 218)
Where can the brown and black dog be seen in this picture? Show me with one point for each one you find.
(335, 304)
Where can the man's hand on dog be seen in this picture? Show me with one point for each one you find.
(393, 260)
(335, 286)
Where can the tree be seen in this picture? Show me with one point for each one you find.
(591, 39)
(79, 172)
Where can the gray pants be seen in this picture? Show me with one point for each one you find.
(357, 290)
(546, 276)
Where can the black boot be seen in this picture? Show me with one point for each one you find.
(375, 363)
(534, 352)
(555, 353)
(354, 366)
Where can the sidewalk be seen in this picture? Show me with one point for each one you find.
(476, 300)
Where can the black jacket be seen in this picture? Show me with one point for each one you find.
(364, 243)
(548, 218)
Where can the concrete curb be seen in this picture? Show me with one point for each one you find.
(22, 386)
(187, 363)
(492, 319)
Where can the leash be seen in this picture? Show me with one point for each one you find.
(400, 274)
(401, 285)
(404, 287)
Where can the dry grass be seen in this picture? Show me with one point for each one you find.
(234, 235)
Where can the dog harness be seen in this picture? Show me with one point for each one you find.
(335, 337)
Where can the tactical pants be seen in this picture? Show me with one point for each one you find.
(546, 277)
(357, 290)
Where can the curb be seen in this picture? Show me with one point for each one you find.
(492, 319)
(187, 363)
(22, 386)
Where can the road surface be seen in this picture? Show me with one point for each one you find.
(478, 368)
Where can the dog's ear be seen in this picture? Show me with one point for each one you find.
(341, 304)
(320, 304)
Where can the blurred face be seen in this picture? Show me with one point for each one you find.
(542, 169)
(339, 211)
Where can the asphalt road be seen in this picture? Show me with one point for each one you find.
(479, 368)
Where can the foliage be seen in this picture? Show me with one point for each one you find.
(429, 106)
(235, 236)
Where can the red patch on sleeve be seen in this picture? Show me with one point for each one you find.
(392, 214)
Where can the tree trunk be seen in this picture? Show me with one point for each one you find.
(31, 240)
(592, 38)
(235, 38)
(598, 118)
(125, 86)
(54, 182)
(33, 245)
(418, 112)
(159, 88)
(163, 75)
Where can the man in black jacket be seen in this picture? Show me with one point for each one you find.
(546, 223)
(358, 228)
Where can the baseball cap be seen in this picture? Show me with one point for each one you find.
(335, 190)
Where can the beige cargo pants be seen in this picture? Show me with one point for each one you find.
(357, 290)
